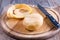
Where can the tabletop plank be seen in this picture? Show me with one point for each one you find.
(44, 3)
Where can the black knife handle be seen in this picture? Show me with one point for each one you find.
(54, 21)
(48, 15)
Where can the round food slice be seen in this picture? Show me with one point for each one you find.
(33, 22)
(24, 8)
(11, 13)
(18, 10)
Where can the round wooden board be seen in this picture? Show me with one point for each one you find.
(47, 34)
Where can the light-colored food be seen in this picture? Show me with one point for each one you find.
(19, 10)
(24, 7)
(33, 21)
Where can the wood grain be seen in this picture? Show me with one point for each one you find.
(55, 4)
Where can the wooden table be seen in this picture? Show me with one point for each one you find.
(55, 4)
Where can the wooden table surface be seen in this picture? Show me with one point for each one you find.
(55, 4)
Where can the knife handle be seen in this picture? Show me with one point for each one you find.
(53, 21)
(48, 15)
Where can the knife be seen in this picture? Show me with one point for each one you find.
(48, 15)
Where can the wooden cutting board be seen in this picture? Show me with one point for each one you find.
(15, 24)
